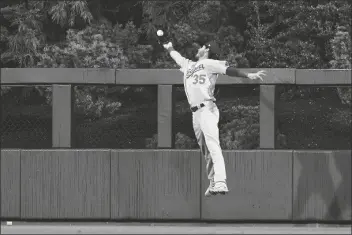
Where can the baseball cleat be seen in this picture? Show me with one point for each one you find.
(219, 188)
(208, 192)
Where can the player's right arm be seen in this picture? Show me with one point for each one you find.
(177, 57)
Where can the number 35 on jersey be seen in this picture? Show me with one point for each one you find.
(198, 79)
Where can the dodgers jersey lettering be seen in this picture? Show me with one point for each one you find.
(199, 77)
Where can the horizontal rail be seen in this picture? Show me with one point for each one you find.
(166, 76)
(323, 76)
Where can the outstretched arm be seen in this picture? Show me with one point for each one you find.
(222, 67)
(233, 72)
(177, 57)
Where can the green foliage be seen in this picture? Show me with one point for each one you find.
(264, 34)
(243, 131)
(93, 102)
(342, 49)
(23, 38)
(182, 141)
(26, 34)
(97, 46)
(65, 13)
(84, 49)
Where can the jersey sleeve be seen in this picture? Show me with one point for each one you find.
(217, 66)
(179, 59)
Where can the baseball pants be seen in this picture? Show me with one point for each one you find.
(205, 125)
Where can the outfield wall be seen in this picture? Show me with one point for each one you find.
(268, 185)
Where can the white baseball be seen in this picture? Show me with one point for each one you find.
(160, 33)
(9, 223)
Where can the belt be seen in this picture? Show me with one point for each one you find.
(201, 105)
(196, 108)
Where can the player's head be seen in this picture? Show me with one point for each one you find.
(209, 50)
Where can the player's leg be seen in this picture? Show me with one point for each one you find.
(203, 146)
(204, 151)
(209, 125)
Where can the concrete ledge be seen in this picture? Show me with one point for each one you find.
(166, 76)
(57, 76)
(323, 77)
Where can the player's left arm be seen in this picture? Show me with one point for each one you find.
(222, 67)
(233, 72)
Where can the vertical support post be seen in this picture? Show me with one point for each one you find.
(62, 116)
(165, 107)
(267, 117)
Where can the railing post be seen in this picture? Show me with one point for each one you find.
(267, 116)
(165, 108)
(62, 116)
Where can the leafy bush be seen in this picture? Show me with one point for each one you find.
(87, 48)
(243, 131)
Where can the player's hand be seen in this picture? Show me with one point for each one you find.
(257, 75)
(167, 45)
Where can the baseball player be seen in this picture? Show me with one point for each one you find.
(199, 82)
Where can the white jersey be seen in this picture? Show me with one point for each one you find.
(199, 77)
